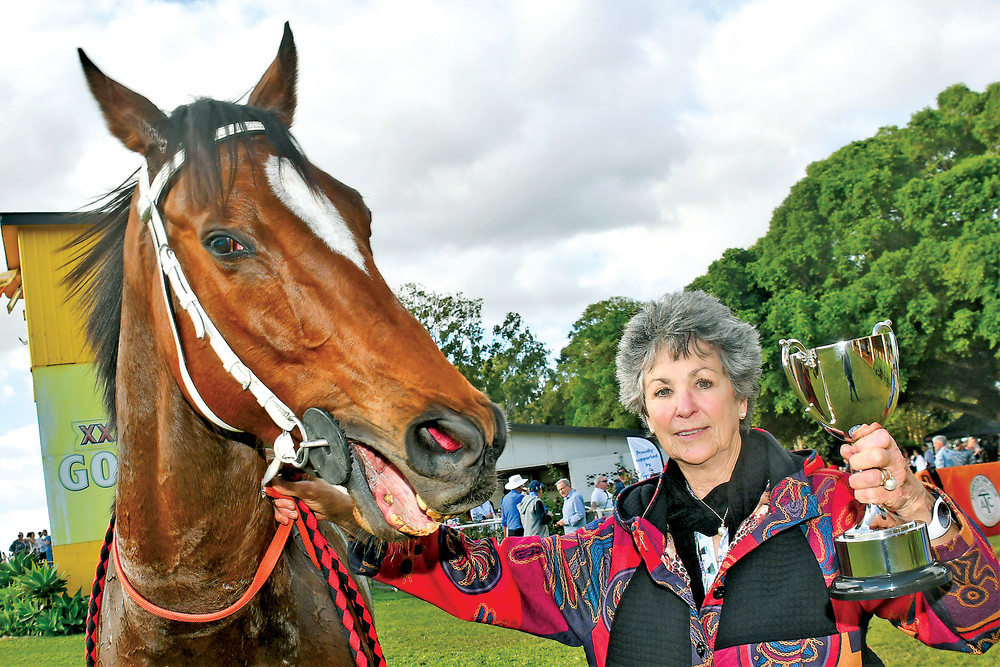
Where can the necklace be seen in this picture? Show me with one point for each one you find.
(722, 519)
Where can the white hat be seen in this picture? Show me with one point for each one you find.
(516, 482)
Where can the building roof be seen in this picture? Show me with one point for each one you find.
(578, 430)
(10, 222)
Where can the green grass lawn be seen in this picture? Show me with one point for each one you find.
(414, 633)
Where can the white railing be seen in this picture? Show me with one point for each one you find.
(478, 524)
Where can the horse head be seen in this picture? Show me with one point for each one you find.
(278, 255)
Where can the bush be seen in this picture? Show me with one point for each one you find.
(33, 600)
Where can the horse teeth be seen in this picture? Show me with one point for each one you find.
(387, 498)
(434, 515)
(421, 503)
(396, 521)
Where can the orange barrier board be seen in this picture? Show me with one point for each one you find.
(975, 489)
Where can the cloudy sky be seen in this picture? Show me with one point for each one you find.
(541, 156)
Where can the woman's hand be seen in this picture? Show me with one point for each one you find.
(325, 500)
(872, 451)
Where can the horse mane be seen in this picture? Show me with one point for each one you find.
(98, 274)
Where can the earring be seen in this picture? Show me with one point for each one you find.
(743, 415)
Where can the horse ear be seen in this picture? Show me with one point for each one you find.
(129, 115)
(276, 89)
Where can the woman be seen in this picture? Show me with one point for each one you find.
(726, 557)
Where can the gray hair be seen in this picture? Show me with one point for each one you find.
(563, 481)
(939, 438)
(684, 323)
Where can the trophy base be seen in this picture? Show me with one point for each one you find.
(886, 586)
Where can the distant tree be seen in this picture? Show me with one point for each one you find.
(512, 367)
(585, 390)
(903, 226)
(454, 321)
(516, 369)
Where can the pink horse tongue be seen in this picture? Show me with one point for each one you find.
(448, 443)
(394, 496)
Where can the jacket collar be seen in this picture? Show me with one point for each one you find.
(786, 503)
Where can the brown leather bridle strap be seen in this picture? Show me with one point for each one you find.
(263, 572)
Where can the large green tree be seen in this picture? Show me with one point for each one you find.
(454, 321)
(903, 226)
(585, 391)
(511, 367)
(516, 370)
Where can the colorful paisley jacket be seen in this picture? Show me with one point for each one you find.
(568, 587)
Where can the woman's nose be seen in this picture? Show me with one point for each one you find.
(685, 404)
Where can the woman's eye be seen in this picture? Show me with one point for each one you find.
(662, 392)
(223, 245)
(704, 383)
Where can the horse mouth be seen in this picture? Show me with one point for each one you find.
(401, 506)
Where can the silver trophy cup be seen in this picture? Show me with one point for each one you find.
(845, 385)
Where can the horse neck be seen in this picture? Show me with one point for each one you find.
(188, 499)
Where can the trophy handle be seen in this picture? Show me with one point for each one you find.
(788, 348)
(885, 326)
(884, 329)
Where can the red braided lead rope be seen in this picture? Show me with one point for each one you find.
(346, 592)
(328, 563)
(96, 595)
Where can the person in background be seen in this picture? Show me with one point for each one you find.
(928, 454)
(945, 456)
(917, 461)
(482, 512)
(573, 510)
(45, 544)
(20, 545)
(973, 450)
(622, 481)
(535, 517)
(33, 548)
(510, 518)
(600, 499)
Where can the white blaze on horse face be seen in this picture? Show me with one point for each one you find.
(314, 209)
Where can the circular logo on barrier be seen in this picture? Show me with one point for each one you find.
(985, 500)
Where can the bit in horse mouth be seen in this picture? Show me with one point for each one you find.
(401, 506)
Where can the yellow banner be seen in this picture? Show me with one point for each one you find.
(79, 452)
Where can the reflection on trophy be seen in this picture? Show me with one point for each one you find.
(845, 385)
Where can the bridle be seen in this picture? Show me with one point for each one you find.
(170, 270)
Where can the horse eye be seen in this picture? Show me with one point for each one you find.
(222, 245)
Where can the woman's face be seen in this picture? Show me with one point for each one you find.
(693, 410)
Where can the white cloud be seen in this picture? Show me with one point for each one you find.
(22, 488)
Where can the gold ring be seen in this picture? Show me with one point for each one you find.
(888, 481)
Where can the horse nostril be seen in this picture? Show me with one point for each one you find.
(444, 440)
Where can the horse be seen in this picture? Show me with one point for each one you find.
(228, 298)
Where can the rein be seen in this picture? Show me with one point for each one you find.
(343, 589)
(263, 572)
